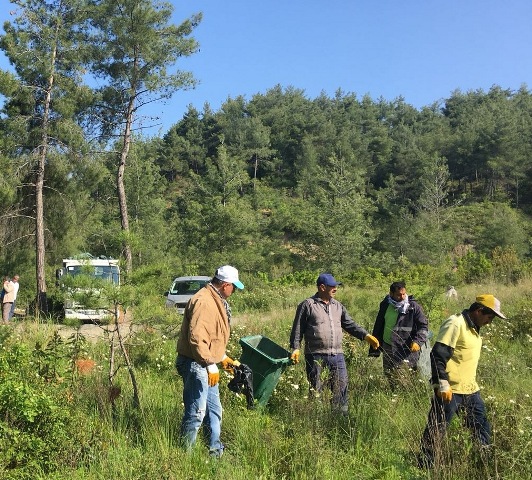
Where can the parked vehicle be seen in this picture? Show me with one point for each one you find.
(98, 269)
(182, 289)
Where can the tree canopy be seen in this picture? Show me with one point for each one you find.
(277, 183)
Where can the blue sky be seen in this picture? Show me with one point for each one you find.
(421, 50)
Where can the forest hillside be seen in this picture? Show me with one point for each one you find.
(275, 184)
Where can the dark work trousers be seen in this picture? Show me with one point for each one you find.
(398, 367)
(336, 380)
(470, 406)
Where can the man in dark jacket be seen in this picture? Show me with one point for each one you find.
(402, 329)
(320, 320)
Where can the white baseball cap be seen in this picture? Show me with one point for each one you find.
(229, 274)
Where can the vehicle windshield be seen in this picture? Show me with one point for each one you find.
(108, 273)
(187, 287)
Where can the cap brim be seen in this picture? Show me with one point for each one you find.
(499, 314)
(239, 285)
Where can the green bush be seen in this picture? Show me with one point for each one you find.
(474, 268)
(366, 277)
(35, 429)
(39, 431)
(521, 321)
(507, 265)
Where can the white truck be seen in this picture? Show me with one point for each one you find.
(92, 268)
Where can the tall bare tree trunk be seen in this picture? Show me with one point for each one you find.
(40, 249)
(41, 300)
(122, 201)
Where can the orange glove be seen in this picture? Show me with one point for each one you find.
(214, 374)
(295, 356)
(374, 343)
(415, 347)
(443, 390)
(228, 363)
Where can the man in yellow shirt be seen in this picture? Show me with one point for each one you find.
(454, 361)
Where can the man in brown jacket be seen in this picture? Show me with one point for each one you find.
(201, 345)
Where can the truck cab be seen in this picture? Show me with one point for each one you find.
(93, 268)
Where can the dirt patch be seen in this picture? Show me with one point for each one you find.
(94, 333)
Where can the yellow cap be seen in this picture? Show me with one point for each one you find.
(492, 303)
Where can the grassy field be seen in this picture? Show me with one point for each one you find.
(294, 436)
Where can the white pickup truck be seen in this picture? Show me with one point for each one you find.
(98, 268)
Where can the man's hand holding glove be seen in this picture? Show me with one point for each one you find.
(214, 374)
(373, 342)
(414, 347)
(295, 356)
(443, 390)
(228, 363)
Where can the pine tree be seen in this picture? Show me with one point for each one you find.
(135, 46)
(45, 97)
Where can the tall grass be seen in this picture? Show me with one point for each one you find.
(296, 436)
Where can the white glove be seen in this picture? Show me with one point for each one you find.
(443, 390)
(214, 374)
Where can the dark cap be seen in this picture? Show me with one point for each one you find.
(327, 279)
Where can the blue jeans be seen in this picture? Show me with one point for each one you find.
(202, 405)
(336, 381)
(441, 414)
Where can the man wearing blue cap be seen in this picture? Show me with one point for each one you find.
(320, 320)
(201, 345)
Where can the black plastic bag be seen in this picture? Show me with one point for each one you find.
(242, 382)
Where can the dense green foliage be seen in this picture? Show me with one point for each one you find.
(274, 184)
(318, 197)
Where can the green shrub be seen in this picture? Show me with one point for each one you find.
(35, 429)
(39, 430)
(521, 321)
(506, 265)
(366, 277)
(474, 267)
